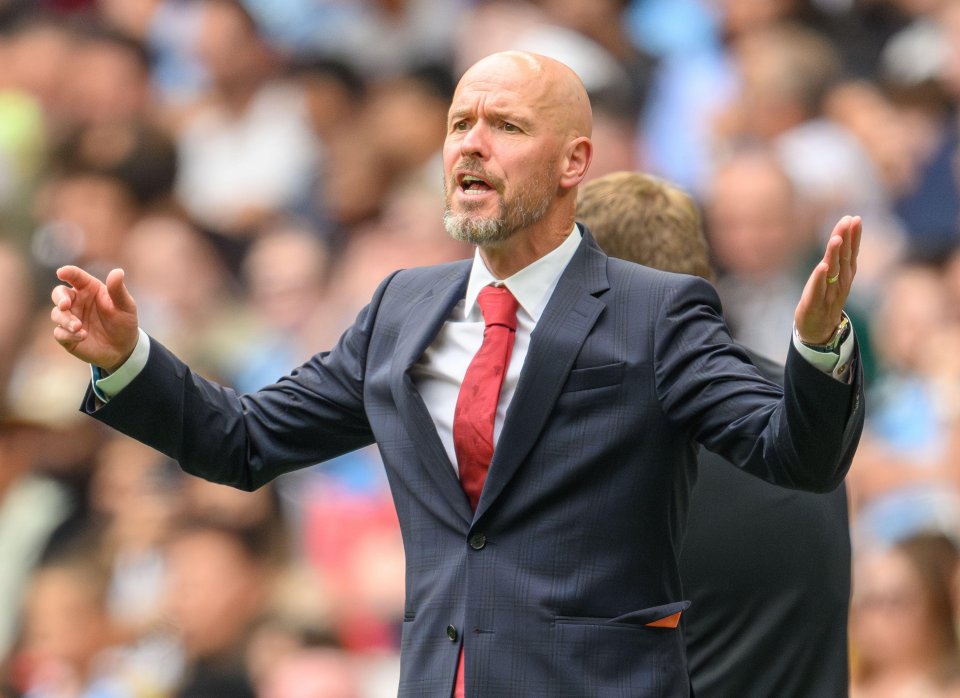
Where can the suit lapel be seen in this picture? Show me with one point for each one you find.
(422, 324)
(555, 343)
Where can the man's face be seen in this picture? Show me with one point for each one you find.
(501, 153)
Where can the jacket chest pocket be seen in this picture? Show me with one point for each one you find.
(594, 377)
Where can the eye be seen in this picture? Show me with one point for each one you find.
(461, 125)
(510, 128)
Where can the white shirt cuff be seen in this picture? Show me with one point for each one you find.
(837, 366)
(106, 387)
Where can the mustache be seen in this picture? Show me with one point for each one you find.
(474, 167)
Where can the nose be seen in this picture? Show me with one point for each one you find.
(474, 142)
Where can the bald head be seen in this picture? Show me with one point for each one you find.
(550, 84)
(517, 145)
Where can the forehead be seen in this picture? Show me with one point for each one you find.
(502, 84)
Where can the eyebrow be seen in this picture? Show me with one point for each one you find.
(494, 113)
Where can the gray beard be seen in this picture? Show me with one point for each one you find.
(512, 217)
(476, 231)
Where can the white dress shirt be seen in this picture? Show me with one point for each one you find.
(440, 371)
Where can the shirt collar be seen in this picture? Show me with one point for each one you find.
(532, 286)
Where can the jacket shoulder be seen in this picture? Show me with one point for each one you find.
(416, 278)
(622, 272)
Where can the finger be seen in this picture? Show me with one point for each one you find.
(850, 250)
(856, 236)
(67, 338)
(76, 277)
(847, 248)
(63, 297)
(118, 291)
(66, 320)
(831, 260)
(820, 274)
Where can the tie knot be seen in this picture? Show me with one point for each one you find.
(498, 306)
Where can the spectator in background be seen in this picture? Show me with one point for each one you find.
(864, 109)
(31, 56)
(948, 17)
(785, 72)
(336, 97)
(17, 309)
(83, 213)
(218, 585)
(335, 93)
(907, 472)
(68, 639)
(62, 446)
(352, 537)
(767, 569)
(916, 67)
(168, 28)
(186, 287)
(406, 118)
(110, 79)
(257, 513)
(393, 144)
(286, 275)
(692, 83)
(761, 242)
(247, 150)
(379, 37)
(32, 505)
(135, 499)
(40, 52)
(21, 136)
(603, 22)
(313, 673)
(903, 620)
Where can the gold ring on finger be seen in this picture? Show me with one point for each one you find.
(833, 279)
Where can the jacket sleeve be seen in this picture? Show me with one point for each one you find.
(313, 414)
(802, 436)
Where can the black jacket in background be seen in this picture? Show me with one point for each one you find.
(768, 572)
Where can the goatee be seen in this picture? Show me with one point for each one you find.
(524, 210)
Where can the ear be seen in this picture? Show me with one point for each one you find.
(576, 161)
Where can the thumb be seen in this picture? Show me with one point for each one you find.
(118, 292)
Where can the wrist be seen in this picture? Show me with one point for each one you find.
(123, 357)
(832, 344)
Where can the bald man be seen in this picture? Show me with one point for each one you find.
(541, 464)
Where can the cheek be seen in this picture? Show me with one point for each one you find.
(451, 154)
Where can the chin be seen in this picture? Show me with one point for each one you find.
(477, 230)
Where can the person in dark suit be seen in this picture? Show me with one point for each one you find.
(549, 565)
(767, 569)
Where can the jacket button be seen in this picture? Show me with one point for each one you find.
(452, 633)
(478, 541)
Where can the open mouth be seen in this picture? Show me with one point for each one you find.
(472, 184)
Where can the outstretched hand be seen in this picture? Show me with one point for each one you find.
(826, 291)
(95, 321)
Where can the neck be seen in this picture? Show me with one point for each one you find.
(523, 248)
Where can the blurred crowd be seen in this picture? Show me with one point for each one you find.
(258, 166)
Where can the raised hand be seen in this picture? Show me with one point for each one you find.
(826, 291)
(95, 321)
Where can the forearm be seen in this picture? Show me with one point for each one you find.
(216, 434)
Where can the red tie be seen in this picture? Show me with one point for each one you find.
(476, 408)
(480, 391)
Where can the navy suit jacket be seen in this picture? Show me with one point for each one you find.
(573, 547)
